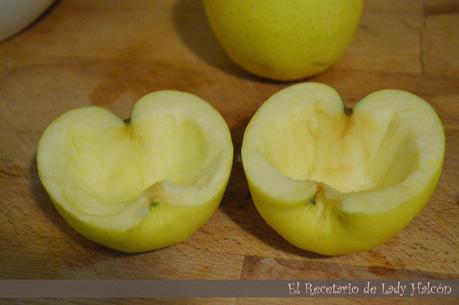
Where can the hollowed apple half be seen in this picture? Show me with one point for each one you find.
(335, 181)
(138, 185)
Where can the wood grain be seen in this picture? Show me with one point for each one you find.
(110, 53)
(439, 48)
(387, 39)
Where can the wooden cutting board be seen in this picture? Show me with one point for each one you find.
(110, 53)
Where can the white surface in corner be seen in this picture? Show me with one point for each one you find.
(15, 15)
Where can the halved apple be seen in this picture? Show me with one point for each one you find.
(140, 185)
(335, 181)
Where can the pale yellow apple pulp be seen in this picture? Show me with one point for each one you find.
(337, 183)
(141, 185)
(284, 39)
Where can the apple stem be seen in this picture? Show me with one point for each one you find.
(347, 110)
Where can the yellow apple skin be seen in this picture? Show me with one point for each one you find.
(284, 40)
(167, 225)
(341, 233)
(313, 215)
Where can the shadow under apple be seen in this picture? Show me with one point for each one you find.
(192, 27)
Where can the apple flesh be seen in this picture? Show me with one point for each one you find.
(336, 183)
(284, 39)
(141, 185)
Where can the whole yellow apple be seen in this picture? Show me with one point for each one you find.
(284, 39)
(336, 182)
